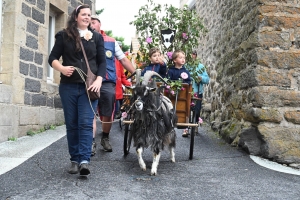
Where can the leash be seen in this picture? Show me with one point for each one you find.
(82, 74)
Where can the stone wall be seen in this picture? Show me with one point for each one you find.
(252, 55)
(27, 100)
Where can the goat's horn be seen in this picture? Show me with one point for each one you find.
(138, 75)
(149, 74)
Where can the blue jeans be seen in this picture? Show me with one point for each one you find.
(79, 120)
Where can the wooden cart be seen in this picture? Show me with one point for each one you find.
(186, 117)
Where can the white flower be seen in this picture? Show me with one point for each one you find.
(88, 35)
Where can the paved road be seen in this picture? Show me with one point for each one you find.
(217, 171)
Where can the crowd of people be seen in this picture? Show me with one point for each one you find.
(107, 61)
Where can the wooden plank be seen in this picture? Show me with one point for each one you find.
(127, 122)
(183, 102)
(187, 124)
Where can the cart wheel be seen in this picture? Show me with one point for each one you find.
(126, 132)
(192, 136)
(127, 140)
(120, 124)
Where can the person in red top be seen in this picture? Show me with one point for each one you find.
(121, 80)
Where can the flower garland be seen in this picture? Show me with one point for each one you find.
(175, 86)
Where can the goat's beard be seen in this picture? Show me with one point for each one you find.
(140, 108)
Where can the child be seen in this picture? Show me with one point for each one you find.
(198, 85)
(176, 72)
(157, 63)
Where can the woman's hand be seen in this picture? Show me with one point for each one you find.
(95, 87)
(67, 70)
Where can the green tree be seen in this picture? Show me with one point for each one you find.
(121, 39)
(98, 12)
(109, 33)
(124, 46)
(152, 18)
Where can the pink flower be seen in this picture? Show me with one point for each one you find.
(166, 91)
(195, 95)
(182, 88)
(172, 92)
(169, 54)
(200, 120)
(124, 115)
(149, 40)
(192, 104)
(185, 36)
(184, 75)
(168, 87)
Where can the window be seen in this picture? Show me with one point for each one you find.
(51, 40)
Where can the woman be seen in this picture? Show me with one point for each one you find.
(72, 90)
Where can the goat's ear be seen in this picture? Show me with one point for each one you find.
(160, 89)
(150, 89)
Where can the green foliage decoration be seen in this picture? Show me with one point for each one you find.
(152, 18)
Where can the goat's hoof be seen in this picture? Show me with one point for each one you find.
(153, 173)
(143, 166)
(173, 160)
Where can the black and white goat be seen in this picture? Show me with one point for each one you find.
(154, 120)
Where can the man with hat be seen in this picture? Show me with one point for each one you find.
(107, 93)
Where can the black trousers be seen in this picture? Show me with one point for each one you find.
(198, 106)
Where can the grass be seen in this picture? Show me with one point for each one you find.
(12, 139)
(46, 127)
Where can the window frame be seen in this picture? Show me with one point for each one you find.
(51, 40)
(1, 3)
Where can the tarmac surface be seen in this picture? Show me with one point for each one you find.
(217, 171)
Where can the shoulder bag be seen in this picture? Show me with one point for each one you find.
(90, 78)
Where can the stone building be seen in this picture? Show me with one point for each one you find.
(28, 85)
(251, 52)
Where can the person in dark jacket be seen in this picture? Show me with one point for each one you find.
(78, 109)
(178, 71)
(157, 64)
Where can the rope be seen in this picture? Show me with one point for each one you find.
(82, 74)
